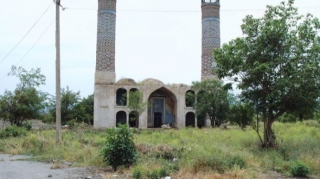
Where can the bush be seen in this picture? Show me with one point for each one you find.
(236, 161)
(27, 125)
(299, 169)
(158, 173)
(13, 131)
(119, 147)
(137, 173)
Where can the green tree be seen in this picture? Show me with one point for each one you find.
(241, 114)
(26, 101)
(211, 100)
(69, 100)
(84, 109)
(276, 63)
(136, 105)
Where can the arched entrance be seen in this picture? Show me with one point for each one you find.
(162, 108)
(121, 118)
(190, 119)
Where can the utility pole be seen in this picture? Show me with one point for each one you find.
(58, 96)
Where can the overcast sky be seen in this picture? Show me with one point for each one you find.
(155, 38)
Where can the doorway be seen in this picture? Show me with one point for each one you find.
(157, 119)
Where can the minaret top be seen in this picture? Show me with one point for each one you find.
(215, 2)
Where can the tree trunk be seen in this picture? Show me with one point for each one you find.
(269, 136)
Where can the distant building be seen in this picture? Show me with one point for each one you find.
(167, 102)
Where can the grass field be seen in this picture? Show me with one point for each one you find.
(184, 153)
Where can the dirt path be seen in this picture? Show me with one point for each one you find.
(14, 168)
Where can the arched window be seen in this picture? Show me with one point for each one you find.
(190, 119)
(121, 118)
(190, 98)
(121, 97)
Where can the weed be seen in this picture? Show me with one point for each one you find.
(237, 161)
(137, 173)
(205, 153)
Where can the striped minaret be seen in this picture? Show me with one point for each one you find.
(210, 36)
(106, 35)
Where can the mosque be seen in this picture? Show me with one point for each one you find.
(167, 103)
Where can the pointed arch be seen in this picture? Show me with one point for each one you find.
(162, 108)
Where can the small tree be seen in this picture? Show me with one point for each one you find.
(276, 64)
(211, 100)
(25, 102)
(136, 104)
(119, 149)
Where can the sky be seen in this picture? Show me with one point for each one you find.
(154, 39)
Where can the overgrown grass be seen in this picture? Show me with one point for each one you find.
(203, 153)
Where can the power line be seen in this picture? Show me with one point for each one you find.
(35, 42)
(227, 10)
(32, 46)
(26, 33)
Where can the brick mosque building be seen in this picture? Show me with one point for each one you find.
(167, 102)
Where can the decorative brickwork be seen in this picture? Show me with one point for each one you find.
(210, 37)
(210, 11)
(106, 36)
(107, 4)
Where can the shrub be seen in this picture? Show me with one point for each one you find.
(137, 173)
(158, 173)
(27, 125)
(72, 123)
(299, 169)
(154, 175)
(162, 172)
(13, 131)
(119, 149)
(236, 161)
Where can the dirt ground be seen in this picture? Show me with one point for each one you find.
(19, 167)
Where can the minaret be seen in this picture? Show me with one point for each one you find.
(106, 35)
(105, 75)
(210, 36)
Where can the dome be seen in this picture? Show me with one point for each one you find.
(151, 81)
(126, 81)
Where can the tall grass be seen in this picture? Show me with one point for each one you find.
(203, 153)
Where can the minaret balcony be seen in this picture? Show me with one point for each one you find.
(216, 2)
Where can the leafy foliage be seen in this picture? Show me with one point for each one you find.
(299, 169)
(211, 100)
(276, 63)
(27, 125)
(241, 114)
(119, 149)
(13, 131)
(136, 104)
(84, 110)
(25, 102)
(69, 100)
